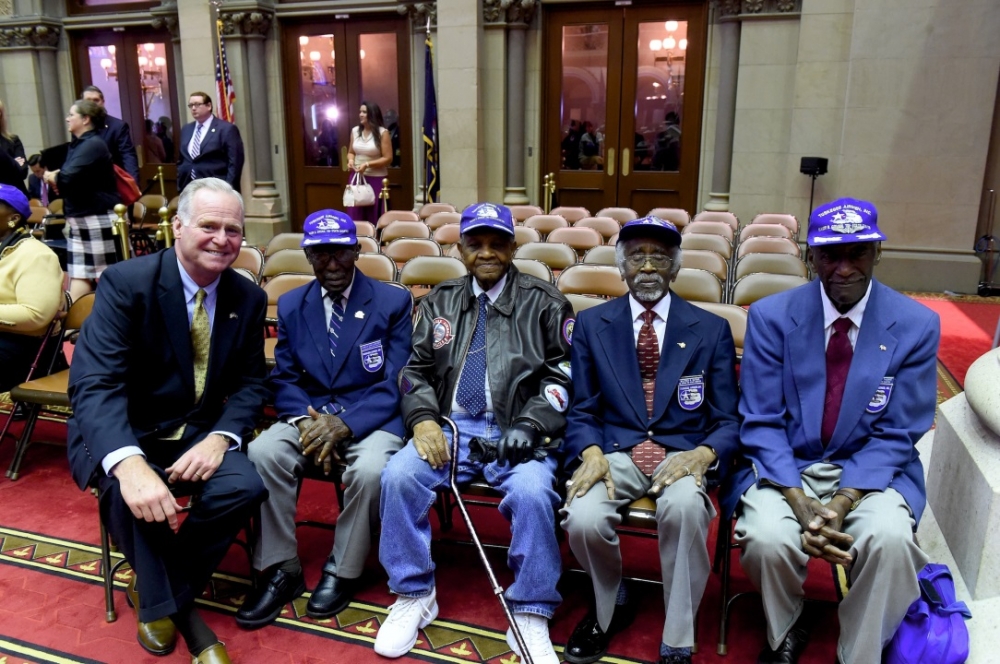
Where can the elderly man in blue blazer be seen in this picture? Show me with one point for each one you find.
(654, 411)
(341, 343)
(838, 383)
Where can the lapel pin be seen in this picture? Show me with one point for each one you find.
(233, 315)
(359, 314)
(881, 347)
(682, 344)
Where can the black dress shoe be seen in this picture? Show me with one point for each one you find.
(789, 650)
(332, 595)
(589, 642)
(263, 605)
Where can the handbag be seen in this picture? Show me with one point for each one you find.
(358, 193)
(933, 630)
(128, 190)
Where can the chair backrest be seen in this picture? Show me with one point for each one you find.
(535, 269)
(606, 226)
(556, 256)
(405, 248)
(439, 219)
(448, 234)
(697, 285)
(771, 264)
(172, 205)
(282, 283)
(601, 280)
(580, 238)
(712, 215)
(56, 206)
(711, 228)
(522, 212)
(581, 302)
(546, 223)
(365, 228)
(368, 244)
(251, 259)
(767, 245)
(287, 261)
(37, 214)
(715, 243)
(247, 274)
(622, 214)
(603, 255)
(376, 266)
(152, 203)
(398, 229)
(79, 311)
(753, 287)
(137, 213)
(524, 235)
(701, 259)
(679, 217)
(430, 208)
(396, 215)
(283, 241)
(613, 240)
(767, 230)
(422, 273)
(736, 317)
(787, 220)
(570, 214)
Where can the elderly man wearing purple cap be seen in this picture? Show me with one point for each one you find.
(491, 351)
(655, 410)
(839, 384)
(342, 341)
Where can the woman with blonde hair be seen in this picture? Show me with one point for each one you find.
(13, 165)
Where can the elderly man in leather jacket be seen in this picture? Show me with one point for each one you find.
(490, 350)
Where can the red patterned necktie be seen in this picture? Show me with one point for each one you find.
(647, 455)
(838, 362)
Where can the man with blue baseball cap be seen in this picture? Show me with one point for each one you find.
(651, 417)
(342, 341)
(490, 351)
(839, 383)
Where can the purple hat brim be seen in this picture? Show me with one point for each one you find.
(651, 230)
(487, 223)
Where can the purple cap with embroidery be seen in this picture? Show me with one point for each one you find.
(13, 197)
(328, 227)
(650, 227)
(844, 220)
(487, 215)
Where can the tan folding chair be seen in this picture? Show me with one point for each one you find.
(580, 238)
(621, 214)
(711, 228)
(571, 214)
(282, 241)
(600, 280)
(787, 220)
(430, 208)
(771, 264)
(753, 287)
(766, 230)
(557, 256)
(736, 317)
(278, 286)
(252, 259)
(712, 215)
(398, 229)
(368, 244)
(365, 228)
(439, 219)
(700, 259)
(767, 245)
(522, 212)
(545, 223)
(704, 242)
(524, 235)
(613, 240)
(395, 215)
(172, 206)
(606, 226)
(448, 234)
(679, 217)
(137, 215)
(152, 203)
(246, 274)
(286, 261)
(403, 249)
(534, 268)
(581, 302)
(454, 251)
(422, 273)
(603, 255)
(697, 285)
(376, 266)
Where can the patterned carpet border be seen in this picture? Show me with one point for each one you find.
(441, 641)
(956, 297)
(30, 653)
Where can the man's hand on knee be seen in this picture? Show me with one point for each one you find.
(200, 462)
(321, 436)
(145, 493)
(594, 469)
(431, 444)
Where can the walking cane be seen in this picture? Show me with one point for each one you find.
(497, 589)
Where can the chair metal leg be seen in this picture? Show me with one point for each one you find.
(23, 442)
(109, 576)
(722, 648)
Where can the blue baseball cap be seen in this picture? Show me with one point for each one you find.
(650, 227)
(844, 220)
(487, 215)
(15, 198)
(329, 227)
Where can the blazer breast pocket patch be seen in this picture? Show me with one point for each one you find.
(372, 356)
(882, 394)
(691, 391)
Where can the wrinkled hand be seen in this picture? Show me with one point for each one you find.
(517, 444)
(693, 462)
(145, 493)
(320, 436)
(594, 469)
(200, 462)
(431, 444)
(821, 536)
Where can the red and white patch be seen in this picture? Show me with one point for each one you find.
(558, 397)
(442, 333)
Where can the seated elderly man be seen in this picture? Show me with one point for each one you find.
(838, 383)
(488, 351)
(342, 340)
(649, 417)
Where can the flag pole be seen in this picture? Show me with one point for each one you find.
(427, 36)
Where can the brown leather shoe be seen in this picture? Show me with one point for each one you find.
(158, 637)
(215, 654)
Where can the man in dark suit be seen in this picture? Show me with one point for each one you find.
(649, 417)
(166, 383)
(341, 343)
(839, 383)
(116, 134)
(209, 147)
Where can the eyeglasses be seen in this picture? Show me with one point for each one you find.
(196, 104)
(658, 261)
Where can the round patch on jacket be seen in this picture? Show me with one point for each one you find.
(442, 333)
(567, 330)
(565, 367)
(372, 356)
(691, 391)
(882, 394)
(557, 397)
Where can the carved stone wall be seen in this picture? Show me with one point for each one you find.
(246, 23)
(509, 11)
(420, 13)
(730, 9)
(29, 36)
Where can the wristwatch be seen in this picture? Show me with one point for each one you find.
(854, 496)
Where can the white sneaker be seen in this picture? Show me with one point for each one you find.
(535, 632)
(398, 634)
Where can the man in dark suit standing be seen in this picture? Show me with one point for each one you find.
(209, 147)
(341, 343)
(167, 382)
(116, 134)
(649, 417)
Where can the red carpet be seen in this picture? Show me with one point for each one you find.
(967, 327)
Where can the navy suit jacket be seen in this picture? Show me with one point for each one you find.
(784, 390)
(132, 377)
(374, 345)
(609, 408)
(116, 134)
(220, 154)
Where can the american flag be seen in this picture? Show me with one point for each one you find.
(224, 84)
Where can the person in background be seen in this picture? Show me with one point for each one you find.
(116, 134)
(164, 132)
(369, 154)
(153, 146)
(13, 166)
(209, 147)
(37, 187)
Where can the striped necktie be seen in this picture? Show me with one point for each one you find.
(647, 455)
(196, 143)
(336, 323)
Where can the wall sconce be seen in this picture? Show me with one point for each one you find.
(108, 65)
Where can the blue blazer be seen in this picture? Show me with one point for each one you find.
(889, 400)
(219, 156)
(609, 408)
(362, 379)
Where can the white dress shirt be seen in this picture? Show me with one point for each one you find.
(856, 314)
(492, 295)
(201, 137)
(661, 309)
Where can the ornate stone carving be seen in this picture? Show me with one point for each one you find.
(168, 22)
(6, 7)
(246, 24)
(30, 36)
(509, 11)
(736, 8)
(420, 13)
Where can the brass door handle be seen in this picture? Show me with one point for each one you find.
(611, 162)
(625, 161)
(343, 158)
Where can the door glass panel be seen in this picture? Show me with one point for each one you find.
(659, 102)
(154, 79)
(380, 82)
(104, 72)
(320, 114)
(584, 95)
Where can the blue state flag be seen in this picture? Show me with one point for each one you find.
(432, 181)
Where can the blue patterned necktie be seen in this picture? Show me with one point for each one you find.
(471, 393)
(196, 143)
(336, 322)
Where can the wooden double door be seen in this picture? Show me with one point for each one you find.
(623, 104)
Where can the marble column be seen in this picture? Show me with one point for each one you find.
(725, 119)
(30, 75)
(515, 192)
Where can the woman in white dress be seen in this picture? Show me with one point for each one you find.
(369, 154)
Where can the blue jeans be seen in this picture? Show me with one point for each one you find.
(529, 504)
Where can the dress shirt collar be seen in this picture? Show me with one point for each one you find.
(492, 293)
(856, 313)
(661, 308)
(205, 125)
(345, 296)
(191, 288)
